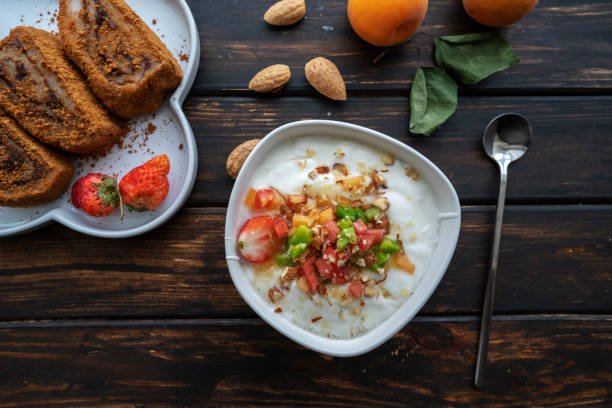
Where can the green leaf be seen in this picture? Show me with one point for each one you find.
(470, 58)
(433, 99)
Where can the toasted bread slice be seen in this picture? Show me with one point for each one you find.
(127, 66)
(46, 95)
(30, 172)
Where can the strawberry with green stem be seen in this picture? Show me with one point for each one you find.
(96, 194)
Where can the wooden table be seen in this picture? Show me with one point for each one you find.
(155, 321)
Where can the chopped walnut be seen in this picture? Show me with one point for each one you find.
(381, 203)
(312, 175)
(412, 173)
(340, 169)
(275, 294)
(387, 159)
(370, 291)
(302, 284)
(322, 169)
(339, 153)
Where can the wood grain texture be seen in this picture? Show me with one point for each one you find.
(553, 259)
(543, 362)
(563, 46)
(569, 159)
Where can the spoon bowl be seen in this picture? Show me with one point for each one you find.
(507, 137)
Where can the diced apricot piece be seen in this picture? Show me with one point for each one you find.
(403, 262)
(250, 198)
(326, 215)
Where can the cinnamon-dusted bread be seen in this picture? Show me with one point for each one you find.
(48, 97)
(127, 66)
(30, 172)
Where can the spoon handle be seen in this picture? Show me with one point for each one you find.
(487, 309)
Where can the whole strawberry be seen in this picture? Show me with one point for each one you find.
(96, 194)
(146, 187)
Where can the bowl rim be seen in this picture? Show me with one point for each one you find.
(399, 318)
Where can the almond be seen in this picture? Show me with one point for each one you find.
(238, 156)
(285, 12)
(270, 79)
(325, 77)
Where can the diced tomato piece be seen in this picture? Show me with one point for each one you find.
(332, 231)
(308, 271)
(369, 238)
(356, 289)
(281, 227)
(266, 199)
(360, 227)
(330, 271)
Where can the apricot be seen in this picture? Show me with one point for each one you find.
(498, 13)
(386, 22)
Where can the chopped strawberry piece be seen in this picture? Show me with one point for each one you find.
(281, 227)
(266, 199)
(330, 271)
(332, 231)
(360, 227)
(356, 289)
(369, 238)
(257, 240)
(308, 271)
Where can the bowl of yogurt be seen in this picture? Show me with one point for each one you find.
(337, 235)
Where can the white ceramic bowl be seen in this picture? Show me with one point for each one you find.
(450, 221)
(173, 22)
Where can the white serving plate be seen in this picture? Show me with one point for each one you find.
(450, 222)
(176, 27)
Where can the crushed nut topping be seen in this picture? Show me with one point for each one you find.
(341, 169)
(381, 203)
(387, 159)
(275, 294)
(322, 169)
(412, 173)
(339, 153)
(278, 310)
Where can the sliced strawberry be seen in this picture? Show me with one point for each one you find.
(356, 289)
(281, 227)
(266, 199)
(369, 238)
(257, 240)
(308, 271)
(360, 227)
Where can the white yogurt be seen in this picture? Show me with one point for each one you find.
(413, 215)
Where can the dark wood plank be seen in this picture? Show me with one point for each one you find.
(558, 361)
(569, 160)
(563, 45)
(553, 259)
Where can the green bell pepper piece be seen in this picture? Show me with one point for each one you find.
(389, 246)
(302, 235)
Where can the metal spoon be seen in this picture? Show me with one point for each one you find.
(505, 140)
